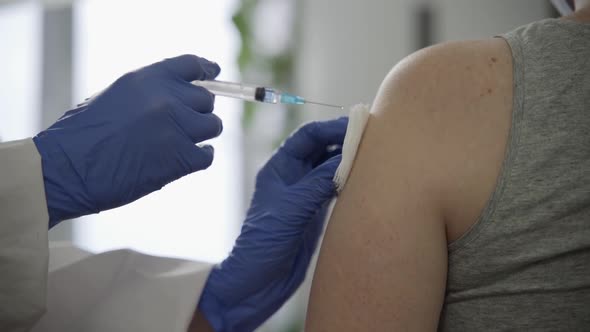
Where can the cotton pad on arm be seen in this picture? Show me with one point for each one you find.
(357, 120)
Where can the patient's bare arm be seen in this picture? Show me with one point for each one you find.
(425, 168)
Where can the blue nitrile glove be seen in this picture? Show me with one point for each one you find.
(281, 231)
(133, 138)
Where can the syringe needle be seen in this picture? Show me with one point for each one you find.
(322, 104)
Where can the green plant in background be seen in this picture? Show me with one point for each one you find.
(242, 23)
(278, 67)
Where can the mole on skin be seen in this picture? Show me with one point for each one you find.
(494, 60)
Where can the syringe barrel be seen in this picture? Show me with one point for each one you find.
(229, 89)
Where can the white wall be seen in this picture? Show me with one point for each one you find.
(472, 19)
(347, 47)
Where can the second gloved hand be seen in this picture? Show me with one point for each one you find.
(281, 231)
(133, 138)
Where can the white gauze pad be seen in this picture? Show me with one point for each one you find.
(357, 120)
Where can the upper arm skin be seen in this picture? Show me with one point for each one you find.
(426, 165)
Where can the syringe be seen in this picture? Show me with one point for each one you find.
(255, 93)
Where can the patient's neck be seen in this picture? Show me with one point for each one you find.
(582, 13)
(581, 4)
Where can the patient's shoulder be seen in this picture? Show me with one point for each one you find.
(456, 100)
(453, 75)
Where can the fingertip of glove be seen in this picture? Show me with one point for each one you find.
(220, 126)
(327, 169)
(211, 69)
(203, 157)
(322, 176)
(334, 162)
(208, 149)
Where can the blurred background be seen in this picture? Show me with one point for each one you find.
(55, 53)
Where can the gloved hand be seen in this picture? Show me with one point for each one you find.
(133, 138)
(279, 236)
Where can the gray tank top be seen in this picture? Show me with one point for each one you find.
(525, 264)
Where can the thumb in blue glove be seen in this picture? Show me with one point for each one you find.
(133, 138)
(281, 231)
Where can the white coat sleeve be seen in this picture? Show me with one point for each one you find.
(120, 290)
(23, 236)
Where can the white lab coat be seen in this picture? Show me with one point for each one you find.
(62, 288)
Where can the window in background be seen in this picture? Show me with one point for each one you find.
(198, 216)
(19, 69)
